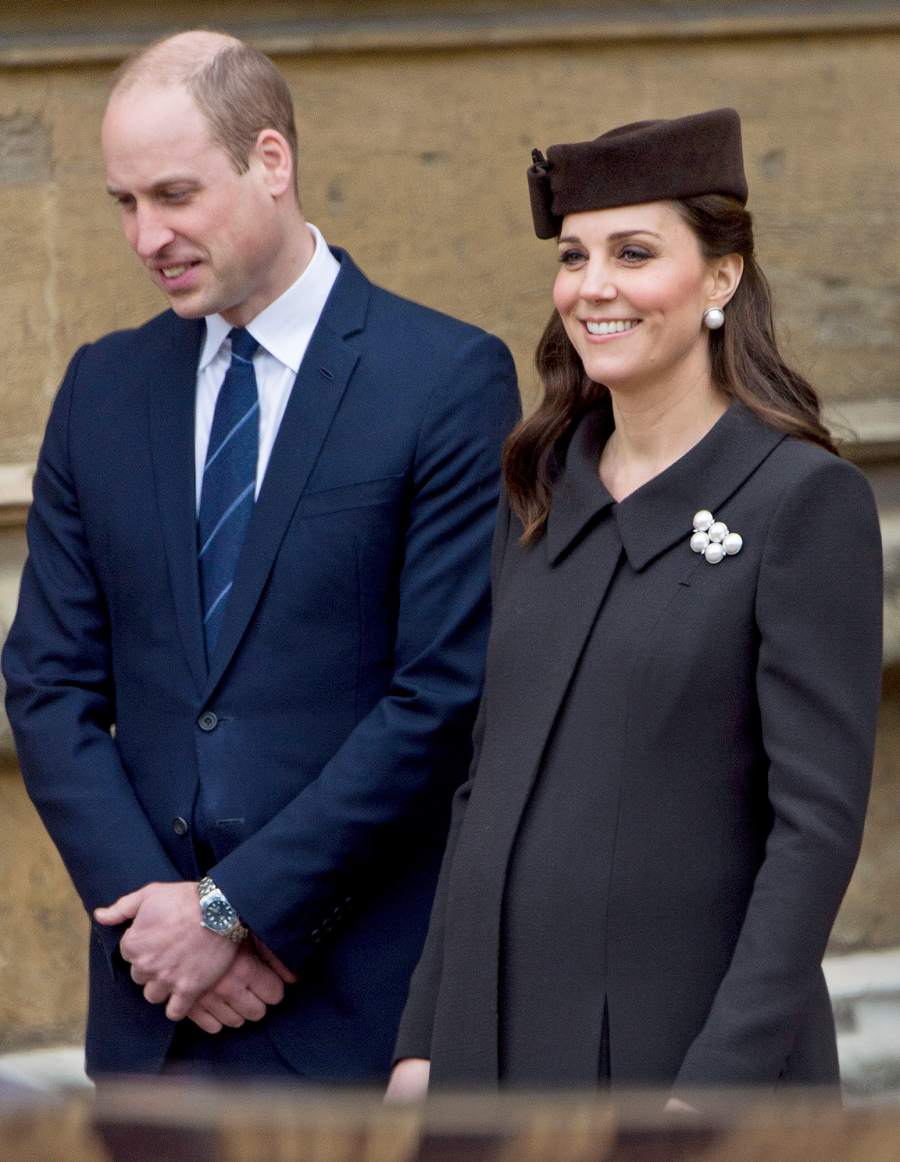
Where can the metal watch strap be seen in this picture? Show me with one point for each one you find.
(237, 931)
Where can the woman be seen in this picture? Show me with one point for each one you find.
(675, 741)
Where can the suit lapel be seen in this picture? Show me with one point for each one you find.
(315, 397)
(171, 416)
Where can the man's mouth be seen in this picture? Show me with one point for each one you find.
(611, 326)
(175, 271)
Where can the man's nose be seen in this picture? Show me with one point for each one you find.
(150, 232)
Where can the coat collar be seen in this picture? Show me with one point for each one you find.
(657, 515)
(579, 495)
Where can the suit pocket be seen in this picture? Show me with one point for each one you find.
(365, 493)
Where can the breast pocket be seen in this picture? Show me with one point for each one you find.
(343, 541)
(345, 497)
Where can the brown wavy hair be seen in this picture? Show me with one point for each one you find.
(746, 365)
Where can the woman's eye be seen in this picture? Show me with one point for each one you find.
(634, 254)
(571, 257)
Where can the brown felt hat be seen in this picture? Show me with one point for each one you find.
(647, 161)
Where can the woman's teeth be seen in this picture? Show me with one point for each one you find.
(613, 327)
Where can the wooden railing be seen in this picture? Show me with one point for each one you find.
(182, 1122)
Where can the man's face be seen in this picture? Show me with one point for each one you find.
(208, 236)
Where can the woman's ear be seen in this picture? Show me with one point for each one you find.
(726, 275)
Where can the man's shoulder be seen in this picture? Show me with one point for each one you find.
(413, 321)
(421, 316)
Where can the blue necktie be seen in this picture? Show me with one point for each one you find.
(229, 483)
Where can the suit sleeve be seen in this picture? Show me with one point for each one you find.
(60, 697)
(819, 613)
(397, 769)
(417, 1022)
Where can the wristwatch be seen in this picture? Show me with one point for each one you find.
(217, 914)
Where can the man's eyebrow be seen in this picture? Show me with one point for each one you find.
(157, 187)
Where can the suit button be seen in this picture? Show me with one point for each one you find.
(207, 721)
(179, 825)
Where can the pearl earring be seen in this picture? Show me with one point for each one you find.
(713, 318)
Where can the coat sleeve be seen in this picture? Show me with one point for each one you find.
(60, 697)
(417, 1022)
(396, 771)
(819, 614)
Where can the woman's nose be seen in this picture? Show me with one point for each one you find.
(597, 283)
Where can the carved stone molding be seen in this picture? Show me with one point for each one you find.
(107, 33)
(15, 493)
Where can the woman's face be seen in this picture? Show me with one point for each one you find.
(631, 291)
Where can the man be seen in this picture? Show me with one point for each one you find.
(251, 627)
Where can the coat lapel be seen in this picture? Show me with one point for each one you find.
(546, 601)
(171, 416)
(315, 397)
(658, 515)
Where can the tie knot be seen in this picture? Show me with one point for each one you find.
(243, 345)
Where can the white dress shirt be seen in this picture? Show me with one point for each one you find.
(283, 331)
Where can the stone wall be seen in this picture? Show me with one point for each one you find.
(416, 123)
(415, 161)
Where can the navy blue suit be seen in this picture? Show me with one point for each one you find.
(332, 724)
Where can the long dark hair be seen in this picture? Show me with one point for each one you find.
(746, 366)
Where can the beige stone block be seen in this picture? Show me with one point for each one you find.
(869, 917)
(12, 557)
(26, 307)
(416, 163)
(43, 930)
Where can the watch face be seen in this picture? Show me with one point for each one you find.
(218, 914)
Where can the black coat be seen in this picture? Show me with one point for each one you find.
(745, 754)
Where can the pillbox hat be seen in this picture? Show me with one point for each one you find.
(646, 161)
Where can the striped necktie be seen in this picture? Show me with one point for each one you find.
(229, 483)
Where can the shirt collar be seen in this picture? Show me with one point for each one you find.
(285, 326)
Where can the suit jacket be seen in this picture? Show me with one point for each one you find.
(751, 694)
(333, 721)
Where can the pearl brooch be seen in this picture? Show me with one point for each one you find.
(713, 538)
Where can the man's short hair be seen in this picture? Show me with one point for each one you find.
(236, 87)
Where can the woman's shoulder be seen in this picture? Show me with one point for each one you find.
(820, 498)
(798, 462)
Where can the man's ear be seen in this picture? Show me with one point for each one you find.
(273, 155)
